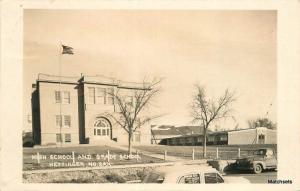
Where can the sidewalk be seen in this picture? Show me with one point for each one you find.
(98, 168)
(161, 156)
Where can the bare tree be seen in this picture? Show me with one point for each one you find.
(205, 110)
(251, 123)
(130, 111)
(261, 122)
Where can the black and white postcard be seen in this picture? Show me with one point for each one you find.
(143, 95)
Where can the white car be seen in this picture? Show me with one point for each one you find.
(190, 174)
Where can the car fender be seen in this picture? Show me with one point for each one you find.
(262, 163)
(238, 180)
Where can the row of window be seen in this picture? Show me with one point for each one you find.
(95, 96)
(218, 138)
(100, 95)
(63, 120)
(209, 178)
(196, 139)
(62, 97)
(67, 138)
(102, 132)
(261, 137)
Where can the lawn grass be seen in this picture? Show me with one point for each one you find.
(185, 152)
(32, 164)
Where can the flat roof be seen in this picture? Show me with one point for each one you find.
(98, 79)
(216, 132)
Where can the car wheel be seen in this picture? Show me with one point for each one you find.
(257, 169)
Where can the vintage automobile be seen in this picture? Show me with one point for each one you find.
(190, 174)
(27, 139)
(261, 159)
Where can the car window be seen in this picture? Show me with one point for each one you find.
(260, 152)
(213, 178)
(189, 179)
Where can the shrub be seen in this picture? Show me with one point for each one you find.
(114, 178)
(142, 174)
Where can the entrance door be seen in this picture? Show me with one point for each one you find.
(102, 129)
(261, 139)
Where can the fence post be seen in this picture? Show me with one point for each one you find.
(217, 152)
(137, 153)
(108, 157)
(239, 152)
(193, 154)
(165, 155)
(38, 157)
(73, 156)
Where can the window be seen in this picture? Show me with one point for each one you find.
(136, 137)
(261, 139)
(58, 120)
(188, 139)
(223, 138)
(190, 179)
(67, 120)
(195, 139)
(67, 138)
(58, 138)
(110, 96)
(57, 97)
(62, 97)
(212, 178)
(103, 132)
(91, 95)
(102, 127)
(66, 97)
(269, 154)
(199, 139)
(98, 131)
(100, 96)
(210, 138)
(260, 152)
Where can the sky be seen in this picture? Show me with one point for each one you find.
(216, 49)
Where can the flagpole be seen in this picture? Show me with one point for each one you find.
(63, 50)
(60, 93)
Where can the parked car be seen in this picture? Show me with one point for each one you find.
(190, 174)
(262, 159)
(27, 139)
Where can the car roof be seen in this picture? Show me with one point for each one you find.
(181, 169)
(265, 148)
(171, 173)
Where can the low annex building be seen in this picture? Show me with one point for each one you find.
(75, 110)
(259, 135)
(161, 133)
